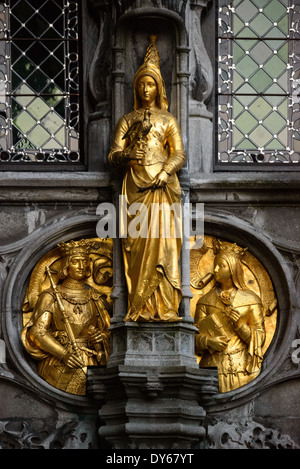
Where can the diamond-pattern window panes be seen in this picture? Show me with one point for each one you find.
(259, 82)
(39, 81)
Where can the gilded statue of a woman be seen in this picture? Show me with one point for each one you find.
(149, 147)
(231, 323)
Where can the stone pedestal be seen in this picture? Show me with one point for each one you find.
(152, 392)
(153, 344)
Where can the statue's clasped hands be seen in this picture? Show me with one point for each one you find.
(160, 180)
(72, 360)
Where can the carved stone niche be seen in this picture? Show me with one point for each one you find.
(124, 28)
(128, 26)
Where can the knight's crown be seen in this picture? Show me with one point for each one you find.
(73, 248)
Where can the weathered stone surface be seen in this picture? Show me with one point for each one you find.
(150, 344)
(151, 407)
(279, 408)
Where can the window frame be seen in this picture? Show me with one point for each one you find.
(52, 167)
(244, 166)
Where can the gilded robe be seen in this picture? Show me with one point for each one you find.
(152, 262)
(240, 361)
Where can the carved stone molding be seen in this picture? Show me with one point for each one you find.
(248, 435)
(152, 393)
(120, 24)
(149, 344)
(156, 407)
(100, 68)
(202, 79)
(39, 434)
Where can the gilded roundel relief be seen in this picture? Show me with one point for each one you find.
(67, 308)
(234, 308)
(66, 312)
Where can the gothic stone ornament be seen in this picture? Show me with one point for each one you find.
(245, 435)
(148, 145)
(235, 311)
(66, 312)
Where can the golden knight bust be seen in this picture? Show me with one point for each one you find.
(66, 320)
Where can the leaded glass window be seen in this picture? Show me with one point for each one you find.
(258, 82)
(39, 84)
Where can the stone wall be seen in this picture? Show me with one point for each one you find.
(259, 209)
